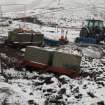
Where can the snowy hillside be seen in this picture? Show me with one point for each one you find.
(71, 8)
(36, 88)
(15, 1)
(22, 87)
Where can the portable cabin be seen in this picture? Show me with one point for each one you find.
(51, 60)
(66, 60)
(24, 36)
(38, 55)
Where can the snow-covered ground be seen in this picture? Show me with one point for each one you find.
(39, 88)
(35, 88)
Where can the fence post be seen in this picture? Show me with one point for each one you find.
(2, 70)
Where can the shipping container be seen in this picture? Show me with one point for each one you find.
(67, 61)
(25, 37)
(38, 38)
(38, 55)
(19, 37)
(52, 58)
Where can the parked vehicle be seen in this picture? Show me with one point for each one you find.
(93, 32)
(51, 42)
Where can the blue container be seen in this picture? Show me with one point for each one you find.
(51, 42)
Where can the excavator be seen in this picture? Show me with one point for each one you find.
(92, 32)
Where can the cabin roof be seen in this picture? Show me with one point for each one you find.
(94, 20)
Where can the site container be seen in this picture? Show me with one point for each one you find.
(25, 37)
(52, 58)
(38, 38)
(67, 61)
(37, 55)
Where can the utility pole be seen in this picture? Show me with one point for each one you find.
(1, 64)
(59, 2)
(1, 13)
(2, 68)
(24, 14)
(1, 17)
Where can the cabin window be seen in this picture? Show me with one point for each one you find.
(101, 25)
(91, 24)
(96, 24)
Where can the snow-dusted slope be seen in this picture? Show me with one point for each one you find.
(15, 1)
(69, 10)
(72, 7)
(66, 3)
